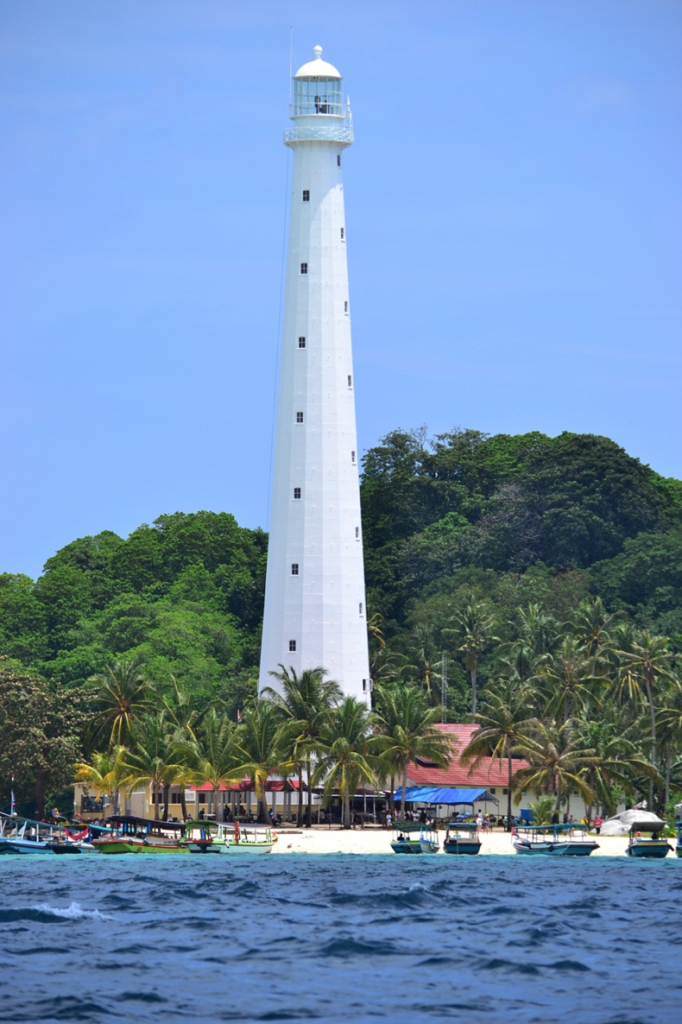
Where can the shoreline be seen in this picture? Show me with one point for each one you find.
(321, 840)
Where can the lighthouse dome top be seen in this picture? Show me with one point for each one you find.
(317, 68)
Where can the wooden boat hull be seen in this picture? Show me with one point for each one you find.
(24, 846)
(124, 845)
(248, 849)
(466, 846)
(411, 846)
(558, 849)
(205, 845)
(649, 849)
(70, 848)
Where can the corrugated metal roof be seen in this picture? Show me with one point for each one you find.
(490, 771)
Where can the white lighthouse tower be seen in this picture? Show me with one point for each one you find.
(315, 608)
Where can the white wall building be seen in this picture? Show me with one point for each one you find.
(315, 606)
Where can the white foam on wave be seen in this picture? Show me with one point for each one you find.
(73, 912)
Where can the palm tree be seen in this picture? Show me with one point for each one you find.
(154, 760)
(556, 761)
(305, 704)
(592, 628)
(541, 810)
(261, 750)
(647, 664)
(670, 725)
(123, 695)
(106, 773)
(505, 722)
(407, 731)
(615, 760)
(537, 634)
(423, 661)
(211, 756)
(348, 753)
(472, 633)
(570, 680)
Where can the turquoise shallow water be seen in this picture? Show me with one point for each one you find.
(340, 938)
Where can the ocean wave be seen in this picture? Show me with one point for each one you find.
(45, 914)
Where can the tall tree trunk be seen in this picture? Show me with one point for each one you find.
(40, 796)
(403, 776)
(510, 776)
(299, 806)
(652, 710)
(558, 794)
(155, 795)
(166, 798)
(183, 804)
(346, 808)
(309, 802)
(391, 799)
(668, 762)
(474, 674)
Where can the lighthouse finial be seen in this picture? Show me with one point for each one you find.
(317, 50)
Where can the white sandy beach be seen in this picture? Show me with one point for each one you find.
(375, 840)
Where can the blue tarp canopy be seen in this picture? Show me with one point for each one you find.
(444, 795)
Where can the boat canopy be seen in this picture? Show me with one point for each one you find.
(647, 826)
(129, 821)
(463, 826)
(445, 795)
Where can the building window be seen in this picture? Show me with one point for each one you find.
(505, 791)
(304, 268)
(350, 381)
(360, 606)
(338, 159)
(299, 417)
(342, 234)
(492, 789)
(297, 492)
(292, 645)
(301, 342)
(357, 533)
(364, 686)
(294, 568)
(345, 307)
(352, 457)
(306, 195)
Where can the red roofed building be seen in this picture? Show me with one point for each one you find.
(490, 774)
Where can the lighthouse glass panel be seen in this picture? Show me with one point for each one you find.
(317, 96)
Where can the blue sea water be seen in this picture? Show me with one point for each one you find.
(340, 938)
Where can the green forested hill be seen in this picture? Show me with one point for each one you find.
(508, 519)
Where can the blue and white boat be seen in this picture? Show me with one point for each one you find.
(554, 840)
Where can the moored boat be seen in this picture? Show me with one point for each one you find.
(414, 837)
(247, 839)
(651, 844)
(142, 835)
(461, 837)
(554, 840)
(204, 837)
(22, 835)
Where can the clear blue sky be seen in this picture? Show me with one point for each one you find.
(514, 235)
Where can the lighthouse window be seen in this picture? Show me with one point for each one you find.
(364, 686)
(301, 342)
(342, 234)
(350, 381)
(360, 607)
(338, 159)
(345, 307)
(297, 492)
(292, 645)
(304, 268)
(306, 195)
(357, 533)
(352, 457)
(299, 417)
(294, 568)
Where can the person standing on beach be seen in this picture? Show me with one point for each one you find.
(598, 822)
